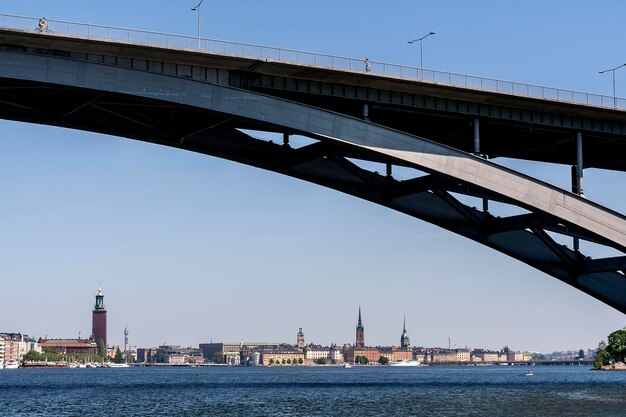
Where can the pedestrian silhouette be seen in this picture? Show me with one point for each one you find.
(368, 66)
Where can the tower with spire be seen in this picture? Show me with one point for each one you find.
(360, 332)
(99, 320)
(300, 338)
(404, 339)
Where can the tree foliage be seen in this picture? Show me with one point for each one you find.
(602, 357)
(616, 346)
(383, 360)
(219, 358)
(102, 349)
(118, 358)
(300, 361)
(321, 361)
(361, 359)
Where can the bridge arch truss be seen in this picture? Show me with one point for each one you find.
(212, 119)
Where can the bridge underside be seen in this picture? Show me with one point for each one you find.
(213, 119)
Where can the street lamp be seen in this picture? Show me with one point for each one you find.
(613, 71)
(421, 54)
(197, 9)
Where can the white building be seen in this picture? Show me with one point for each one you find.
(315, 353)
(2, 344)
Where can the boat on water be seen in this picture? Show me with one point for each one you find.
(11, 364)
(118, 365)
(347, 365)
(530, 373)
(405, 363)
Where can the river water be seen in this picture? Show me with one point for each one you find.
(313, 391)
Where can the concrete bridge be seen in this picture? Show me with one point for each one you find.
(441, 131)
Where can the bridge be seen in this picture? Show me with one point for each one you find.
(417, 141)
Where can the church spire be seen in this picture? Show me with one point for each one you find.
(360, 332)
(404, 339)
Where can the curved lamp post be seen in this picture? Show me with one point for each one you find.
(613, 71)
(197, 9)
(421, 54)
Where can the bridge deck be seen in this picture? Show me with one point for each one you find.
(512, 125)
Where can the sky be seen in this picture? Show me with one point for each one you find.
(191, 249)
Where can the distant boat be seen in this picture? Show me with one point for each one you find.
(530, 373)
(118, 365)
(11, 364)
(405, 363)
(347, 365)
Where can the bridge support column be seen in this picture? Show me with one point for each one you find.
(577, 175)
(476, 137)
(389, 173)
(286, 139)
(477, 153)
(366, 112)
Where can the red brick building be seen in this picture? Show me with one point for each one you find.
(69, 346)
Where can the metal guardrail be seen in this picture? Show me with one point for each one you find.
(58, 27)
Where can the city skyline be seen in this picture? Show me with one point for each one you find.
(192, 248)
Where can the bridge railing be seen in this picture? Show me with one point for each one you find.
(58, 27)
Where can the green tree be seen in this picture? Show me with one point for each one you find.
(218, 357)
(383, 360)
(102, 350)
(321, 361)
(581, 354)
(616, 346)
(602, 357)
(161, 357)
(33, 356)
(288, 361)
(300, 361)
(284, 361)
(118, 358)
(271, 361)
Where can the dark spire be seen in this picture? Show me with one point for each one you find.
(359, 323)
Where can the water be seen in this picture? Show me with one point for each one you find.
(313, 391)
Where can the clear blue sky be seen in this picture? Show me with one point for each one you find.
(190, 248)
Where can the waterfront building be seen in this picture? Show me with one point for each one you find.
(313, 352)
(485, 356)
(176, 354)
(404, 339)
(441, 356)
(360, 333)
(69, 346)
(16, 345)
(280, 356)
(146, 355)
(231, 352)
(99, 320)
(300, 340)
(2, 347)
(463, 355)
(335, 354)
(371, 353)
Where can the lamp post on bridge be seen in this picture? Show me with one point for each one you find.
(613, 71)
(421, 51)
(197, 9)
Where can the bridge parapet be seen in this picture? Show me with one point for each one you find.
(291, 56)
